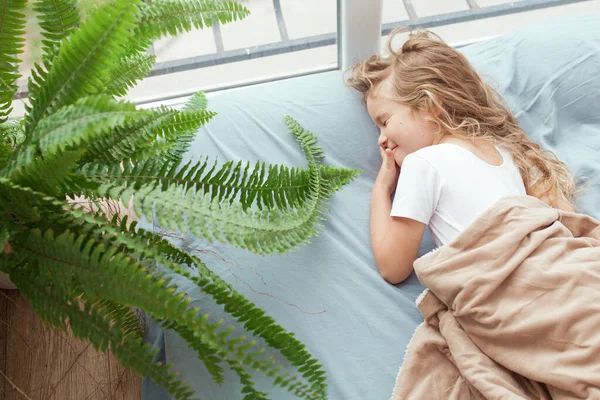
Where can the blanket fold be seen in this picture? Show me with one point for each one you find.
(512, 309)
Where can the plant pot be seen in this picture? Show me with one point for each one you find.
(5, 282)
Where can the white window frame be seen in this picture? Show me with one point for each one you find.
(359, 30)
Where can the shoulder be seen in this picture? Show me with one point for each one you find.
(419, 167)
(416, 161)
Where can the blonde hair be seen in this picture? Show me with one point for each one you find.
(429, 75)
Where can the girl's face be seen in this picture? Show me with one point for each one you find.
(401, 130)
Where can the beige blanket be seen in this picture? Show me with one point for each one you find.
(512, 310)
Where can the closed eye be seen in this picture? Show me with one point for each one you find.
(380, 121)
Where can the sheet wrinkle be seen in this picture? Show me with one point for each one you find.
(551, 80)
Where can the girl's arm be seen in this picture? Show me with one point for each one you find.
(395, 241)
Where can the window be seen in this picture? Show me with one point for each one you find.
(460, 22)
(280, 38)
(285, 38)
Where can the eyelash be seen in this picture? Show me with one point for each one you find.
(385, 122)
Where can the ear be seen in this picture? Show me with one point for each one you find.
(436, 111)
(433, 105)
(430, 114)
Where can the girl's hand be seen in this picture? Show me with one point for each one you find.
(389, 171)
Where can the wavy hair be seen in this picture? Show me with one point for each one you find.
(427, 74)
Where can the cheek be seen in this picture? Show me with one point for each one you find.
(429, 131)
(424, 134)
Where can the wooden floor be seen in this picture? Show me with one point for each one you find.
(38, 362)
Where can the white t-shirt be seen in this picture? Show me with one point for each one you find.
(447, 186)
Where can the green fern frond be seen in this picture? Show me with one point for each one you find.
(212, 360)
(306, 139)
(208, 356)
(129, 320)
(82, 65)
(137, 140)
(338, 177)
(267, 366)
(12, 30)
(175, 147)
(196, 102)
(263, 231)
(255, 321)
(94, 324)
(259, 324)
(271, 186)
(267, 186)
(100, 271)
(57, 18)
(177, 132)
(24, 203)
(143, 245)
(128, 71)
(157, 151)
(171, 17)
(248, 384)
(156, 249)
(104, 272)
(122, 144)
(78, 124)
(52, 176)
(12, 133)
(5, 151)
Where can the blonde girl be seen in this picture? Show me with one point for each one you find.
(450, 148)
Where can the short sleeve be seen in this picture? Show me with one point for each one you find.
(418, 190)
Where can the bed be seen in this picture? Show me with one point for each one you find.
(330, 293)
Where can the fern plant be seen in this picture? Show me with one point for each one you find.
(85, 271)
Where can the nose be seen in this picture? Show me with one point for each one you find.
(386, 143)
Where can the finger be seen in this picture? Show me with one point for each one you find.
(389, 159)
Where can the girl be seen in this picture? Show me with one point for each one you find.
(450, 148)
